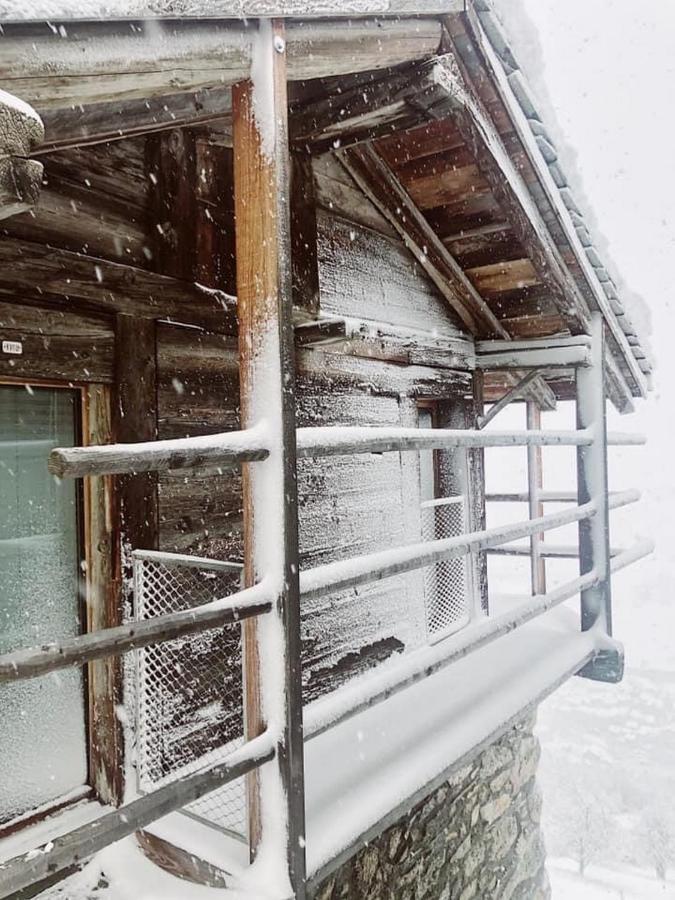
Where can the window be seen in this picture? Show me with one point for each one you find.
(39, 600)
(442, 515)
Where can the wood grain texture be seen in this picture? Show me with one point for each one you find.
(56, 345)
(35, 271)
(369, 276)
(104, 606)
(378, 182)
(135, 419)
(108, 61)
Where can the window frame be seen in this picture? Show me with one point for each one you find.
(99, 604)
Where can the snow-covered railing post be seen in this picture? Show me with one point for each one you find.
(534, 488)
(272, 646)
(592, 479)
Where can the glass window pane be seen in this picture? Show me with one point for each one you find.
(42, 721)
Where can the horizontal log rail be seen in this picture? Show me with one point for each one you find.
(228, 449)
(344, 574)
(373, 689)
(32, 662)
(223, 450)
(76, 846)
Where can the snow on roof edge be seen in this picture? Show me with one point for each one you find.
(570, 189)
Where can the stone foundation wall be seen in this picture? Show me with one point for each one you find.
(477, 836)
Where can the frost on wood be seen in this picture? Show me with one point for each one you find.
(21, 129)
(262, 76)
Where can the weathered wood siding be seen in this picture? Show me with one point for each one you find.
(364, 269)
(56, 345)
(94, 200)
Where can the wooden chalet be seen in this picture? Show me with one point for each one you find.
(268, 269)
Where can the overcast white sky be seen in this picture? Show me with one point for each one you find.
(608, 68)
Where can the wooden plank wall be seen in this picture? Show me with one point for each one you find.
(101, 201)
(348, 505)
(94, 200)
(357, 248)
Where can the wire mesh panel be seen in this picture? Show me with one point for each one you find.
(189, 691)
(446, 584)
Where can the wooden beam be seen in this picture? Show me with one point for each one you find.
(495, 278)
(305, 262)
(377, 105)
(514, 393)
(98, 123)
(43, 272)
(615, 384)
(377, 340)
(108, 61)
(135, 419)
(243, 9)
(172, 165)
(36, 661)
(270, 500)
(380, 185)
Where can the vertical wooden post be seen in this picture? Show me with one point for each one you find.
(534, 487)
(135, 419)
(266, 347)
(592, 479)
(104, 605)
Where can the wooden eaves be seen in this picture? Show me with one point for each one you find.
(12, 11)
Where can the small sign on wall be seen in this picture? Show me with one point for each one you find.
(13, 348)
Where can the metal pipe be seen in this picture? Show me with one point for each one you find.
(536, 507)
(549, 551)
(351, 700)
(182, 560)
(616, 498)
(632, 554)
(596, 601)
(513, 394)
(349, 573)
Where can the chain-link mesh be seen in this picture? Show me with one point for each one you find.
(189, 691)
(446, 589)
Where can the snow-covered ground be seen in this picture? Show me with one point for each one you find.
(602, 884)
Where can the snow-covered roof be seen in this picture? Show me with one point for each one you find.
(500, 22)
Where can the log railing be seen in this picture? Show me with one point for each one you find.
(260, 600)
(268, 447)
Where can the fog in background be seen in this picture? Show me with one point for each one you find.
(603, 73)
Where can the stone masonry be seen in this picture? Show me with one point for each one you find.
(477, 837)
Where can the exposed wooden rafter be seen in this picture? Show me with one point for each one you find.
(109, 61)
(436, 92)
(382, 187)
